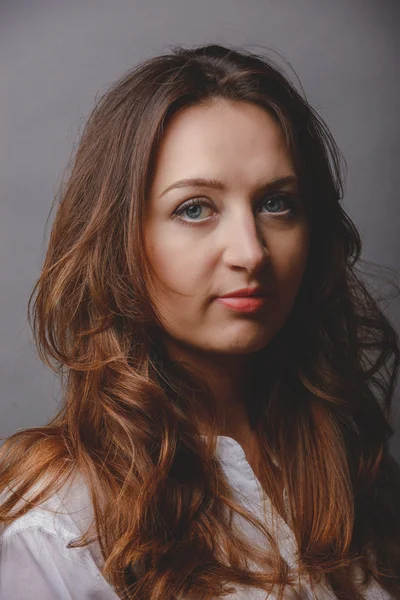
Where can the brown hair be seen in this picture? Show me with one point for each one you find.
(129, 422)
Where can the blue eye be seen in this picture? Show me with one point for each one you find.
(192, 208)
(274, 199)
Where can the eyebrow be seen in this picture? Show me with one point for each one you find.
(217, 184)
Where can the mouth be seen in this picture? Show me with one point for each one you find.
(255, 291)
(244, 304)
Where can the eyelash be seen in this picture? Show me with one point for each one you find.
(291, 200)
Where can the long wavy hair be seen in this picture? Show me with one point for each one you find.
(130, 422)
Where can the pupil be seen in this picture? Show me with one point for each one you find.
(192, 210)
(273, 200)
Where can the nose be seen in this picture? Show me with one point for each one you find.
(244, 243)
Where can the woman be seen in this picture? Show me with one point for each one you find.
(220, 431)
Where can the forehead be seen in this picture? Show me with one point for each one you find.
(238, 141)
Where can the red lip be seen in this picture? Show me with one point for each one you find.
(244, 304)
(245, 292)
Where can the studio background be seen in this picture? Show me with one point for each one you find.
(55, 56)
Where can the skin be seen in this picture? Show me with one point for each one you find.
(235, 239)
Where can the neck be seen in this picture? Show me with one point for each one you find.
(231, 380)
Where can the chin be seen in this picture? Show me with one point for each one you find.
(242, 345)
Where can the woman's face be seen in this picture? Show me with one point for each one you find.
(241, 233)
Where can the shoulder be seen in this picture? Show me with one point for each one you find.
(35, 546)
(65, 515)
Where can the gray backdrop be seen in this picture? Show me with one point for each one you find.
(55, 56)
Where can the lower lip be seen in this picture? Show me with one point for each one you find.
(248, 304)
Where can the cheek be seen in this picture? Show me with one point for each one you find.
(178, 271)
(163, 255)
(290, 259)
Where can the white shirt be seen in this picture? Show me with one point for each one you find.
(35, 563)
